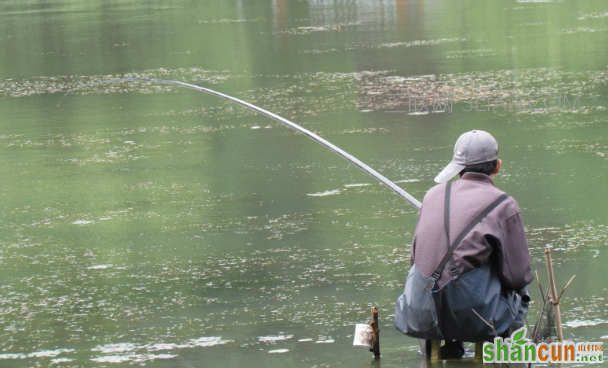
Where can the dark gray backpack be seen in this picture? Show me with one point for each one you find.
(427, 312)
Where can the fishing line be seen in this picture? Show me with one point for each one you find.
(373, 173)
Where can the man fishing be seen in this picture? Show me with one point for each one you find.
(487, 275)
(469, 254)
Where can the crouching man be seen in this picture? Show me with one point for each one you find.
(469, 252)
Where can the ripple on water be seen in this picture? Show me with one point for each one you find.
(135, 358)
(130, 352)
(36, 354)
(100, 267)
(83, 222)
(357, 185)
(278, 351)
(585, 323)
(592, 15)
(325, 193)
(274, 338)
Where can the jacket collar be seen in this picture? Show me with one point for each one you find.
(478, 177)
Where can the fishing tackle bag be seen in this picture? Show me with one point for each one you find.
(426, 311)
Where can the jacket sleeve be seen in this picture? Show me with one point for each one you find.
(413, 246)
(513, 254)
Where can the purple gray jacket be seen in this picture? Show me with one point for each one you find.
(499, 238)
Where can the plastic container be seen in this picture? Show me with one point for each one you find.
(363, 336)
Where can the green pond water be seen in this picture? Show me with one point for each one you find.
(145, 225)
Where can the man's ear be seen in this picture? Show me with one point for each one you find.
(498, 166)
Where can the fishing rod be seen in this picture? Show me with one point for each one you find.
(373, 173)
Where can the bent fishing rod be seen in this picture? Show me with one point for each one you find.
(373, 173)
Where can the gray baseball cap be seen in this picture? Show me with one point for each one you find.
(474, 147)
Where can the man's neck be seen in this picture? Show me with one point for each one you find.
(479, 177)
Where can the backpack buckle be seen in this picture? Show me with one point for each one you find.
(455, 273)
(456, 277)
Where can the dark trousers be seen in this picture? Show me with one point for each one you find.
(520, 320)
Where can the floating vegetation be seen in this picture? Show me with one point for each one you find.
(385, 45)
(319, 291)
(478, 53)
(65, 83)
(385, 92)
(365, 91)
(228, 21)
(292, 96)
(325, 28)
(308, 30)
(421, 42)
(168, 7)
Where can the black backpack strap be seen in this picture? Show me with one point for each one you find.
(452, 248)
(446, 223)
